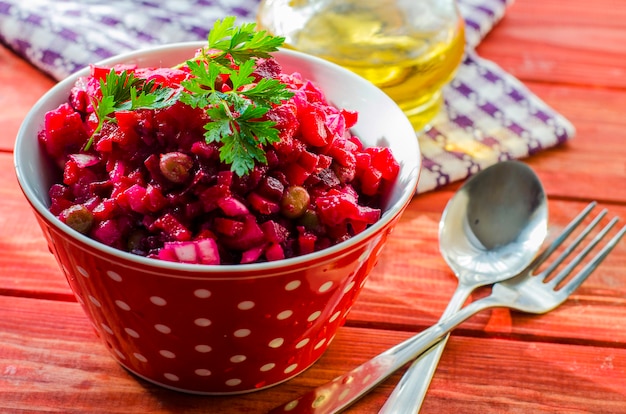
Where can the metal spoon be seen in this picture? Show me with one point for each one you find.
(490, 231)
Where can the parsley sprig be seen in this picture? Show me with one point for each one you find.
(124, 91)
(242, 43)
(236, 113)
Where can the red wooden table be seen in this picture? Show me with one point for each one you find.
(570, 53)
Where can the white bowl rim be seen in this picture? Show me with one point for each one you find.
(273, 267)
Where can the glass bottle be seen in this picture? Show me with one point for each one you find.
(408, 48)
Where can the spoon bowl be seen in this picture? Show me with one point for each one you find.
(495, 224)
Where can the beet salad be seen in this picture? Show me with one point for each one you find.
(223, 159)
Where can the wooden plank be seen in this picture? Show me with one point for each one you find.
(561, 42)
(22, 242)
(22, 86)
(51, 361)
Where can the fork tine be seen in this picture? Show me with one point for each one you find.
(569, 249)
(564, 235)
(584, 273)
(579, 258)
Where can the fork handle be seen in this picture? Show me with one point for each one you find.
(410, 392)
(342, 391)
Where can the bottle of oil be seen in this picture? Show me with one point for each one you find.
(408, 48)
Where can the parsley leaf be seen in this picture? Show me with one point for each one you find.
(124, 91)
(241, 42)
(236, 112)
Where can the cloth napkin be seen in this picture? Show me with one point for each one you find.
(489, 116)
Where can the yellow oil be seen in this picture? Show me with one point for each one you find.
(377, 42)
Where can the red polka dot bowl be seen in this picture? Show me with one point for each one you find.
(211, 329)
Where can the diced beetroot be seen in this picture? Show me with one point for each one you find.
(313, 127)
(192, 209)
(107, 232)
(151, 163)
(308, 161)
(99, 72)
(286, 119)
(324, 180)
(358, 226)
(126, 133)
(272, 158)
(274, 232)
(367, 215)
(116, 170)
(57, 205)
(101, 188)
(323, 162)
(232, 207)
(370, 181)
(172, 227)
(210, 196)
(228, 227)
(225, 179)
(306, 242)
(79, 99)
(271, 188)
(296, 174)
(71, 172)
(135, 196)
(267, 68)
(313, 93)
(168, 77)
(154, 200)
(363, 162)
(336, 123)
(107, 137)
(167, 253)
(204, 150)
(274, 252)
(337, 207)
(251, 236)
(252, 255)
(383, 161)
(64, 132)
(345, 175)
(105, 209)
(81, 189)
(356, 141)
(350, 117)
(343, 156)
(262, 205)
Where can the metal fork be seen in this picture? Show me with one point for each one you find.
(410, 392)
(528, 292)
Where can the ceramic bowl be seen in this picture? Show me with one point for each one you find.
(211, 329)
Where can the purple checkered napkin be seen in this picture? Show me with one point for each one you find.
(489, 115)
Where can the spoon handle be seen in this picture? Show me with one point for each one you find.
(342, 391)
(410, 392)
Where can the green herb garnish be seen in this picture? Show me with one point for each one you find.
(124, 91)
(236, 112)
